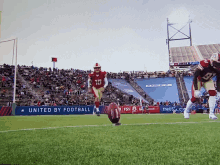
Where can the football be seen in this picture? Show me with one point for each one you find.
(114, 113)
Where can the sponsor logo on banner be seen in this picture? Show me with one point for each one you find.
(153, 109)
(60, 110)
(170, 109)
(159, 85)
(134, 109)
(126, 109)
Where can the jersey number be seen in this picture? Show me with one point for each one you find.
(98, 82)
(207, 76)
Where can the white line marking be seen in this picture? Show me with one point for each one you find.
(76, 126)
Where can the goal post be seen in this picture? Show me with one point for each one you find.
(15, 45)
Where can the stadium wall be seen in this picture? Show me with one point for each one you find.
(83, 110)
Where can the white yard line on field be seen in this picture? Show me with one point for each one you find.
(29, 129)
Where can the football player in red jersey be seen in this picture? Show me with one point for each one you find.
(203, 75)
(97, 82)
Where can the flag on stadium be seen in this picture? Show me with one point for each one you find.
(0, 22)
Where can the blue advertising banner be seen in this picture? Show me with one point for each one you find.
(55, 110)
(170, 109)
(197, 108)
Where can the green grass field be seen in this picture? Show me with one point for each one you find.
(87, 139)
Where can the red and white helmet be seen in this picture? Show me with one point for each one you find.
(97, 65)
(215, 61)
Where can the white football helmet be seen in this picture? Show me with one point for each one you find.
(97, 65)
(97, 68)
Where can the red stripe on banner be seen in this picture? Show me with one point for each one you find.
(9, 111)
(126, 109)
(5, 111)
(153, 109)
(138, 109)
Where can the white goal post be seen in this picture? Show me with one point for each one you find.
(15, 45)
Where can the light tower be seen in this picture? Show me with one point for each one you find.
(180, 30)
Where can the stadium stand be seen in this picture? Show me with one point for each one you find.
(140, 90)
(188, 82)
(208, 50)
(160, 89)
(126, 87)
(184, 54)
(182, 90)
(44, 86)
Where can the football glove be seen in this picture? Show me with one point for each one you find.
(197, 94)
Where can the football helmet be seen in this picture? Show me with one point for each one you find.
(97, 68)
(97, 65)
(215, 61)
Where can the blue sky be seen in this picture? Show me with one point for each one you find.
(121, 35)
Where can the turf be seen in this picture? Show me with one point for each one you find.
(87, 139)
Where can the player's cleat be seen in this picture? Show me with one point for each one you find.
(117, 124)
(186, 115)
(98, 113)
(212, 116)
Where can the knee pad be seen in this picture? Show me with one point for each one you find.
(212, 92)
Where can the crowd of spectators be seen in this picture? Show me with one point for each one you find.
(57, 87)
(7, 86)
(143, 74)
(69, 87)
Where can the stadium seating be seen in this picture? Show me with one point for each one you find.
(208, 50)
(188, 82)
(160, 89)
(68, 87)
(126, 87)
(184, 54)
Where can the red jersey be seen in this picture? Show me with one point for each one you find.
(97, 79)
(206, 71)
(203, 73)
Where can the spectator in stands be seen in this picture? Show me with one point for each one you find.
(38, 103)
(51, 80)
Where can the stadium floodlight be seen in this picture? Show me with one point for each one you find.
(177, 21)
(179, 16)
